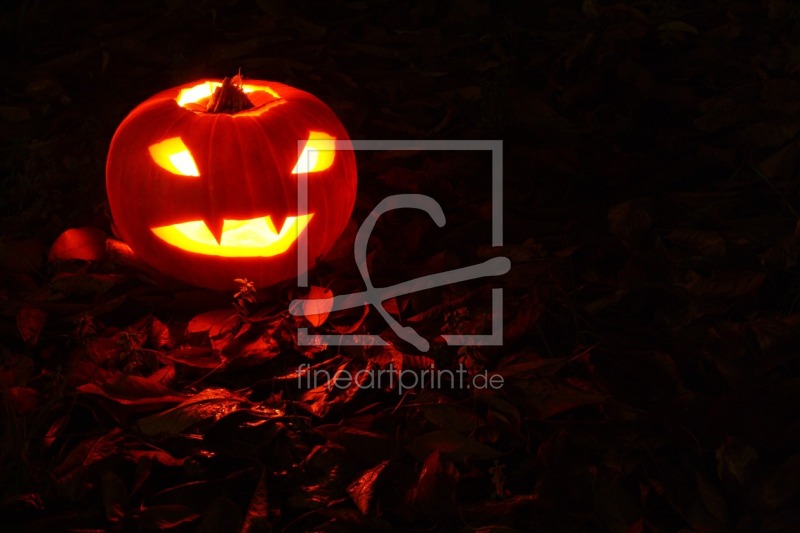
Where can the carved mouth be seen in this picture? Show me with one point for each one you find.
(255, 237)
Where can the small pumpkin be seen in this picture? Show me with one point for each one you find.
(202, 180)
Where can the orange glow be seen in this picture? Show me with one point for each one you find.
(256, 237)
(317, 154)
(172, 155)
(196, 98)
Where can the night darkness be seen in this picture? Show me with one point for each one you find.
(650, 361)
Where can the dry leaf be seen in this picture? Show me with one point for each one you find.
(87, 244)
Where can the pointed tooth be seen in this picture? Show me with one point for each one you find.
(276, 228)
(215, 226)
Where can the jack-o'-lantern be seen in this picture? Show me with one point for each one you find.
(202, 181)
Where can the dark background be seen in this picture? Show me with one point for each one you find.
(651, 314)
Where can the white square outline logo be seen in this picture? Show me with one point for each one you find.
(495, 338)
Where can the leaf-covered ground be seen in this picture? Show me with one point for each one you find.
(651, 315)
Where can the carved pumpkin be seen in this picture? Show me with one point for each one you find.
(202, 181)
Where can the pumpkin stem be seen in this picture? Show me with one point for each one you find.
(229, 97)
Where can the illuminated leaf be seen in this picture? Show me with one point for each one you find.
(86, 244)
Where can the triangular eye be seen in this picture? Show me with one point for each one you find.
(172, 155)
(317, 154)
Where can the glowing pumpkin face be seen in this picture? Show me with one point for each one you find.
(208, 197)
